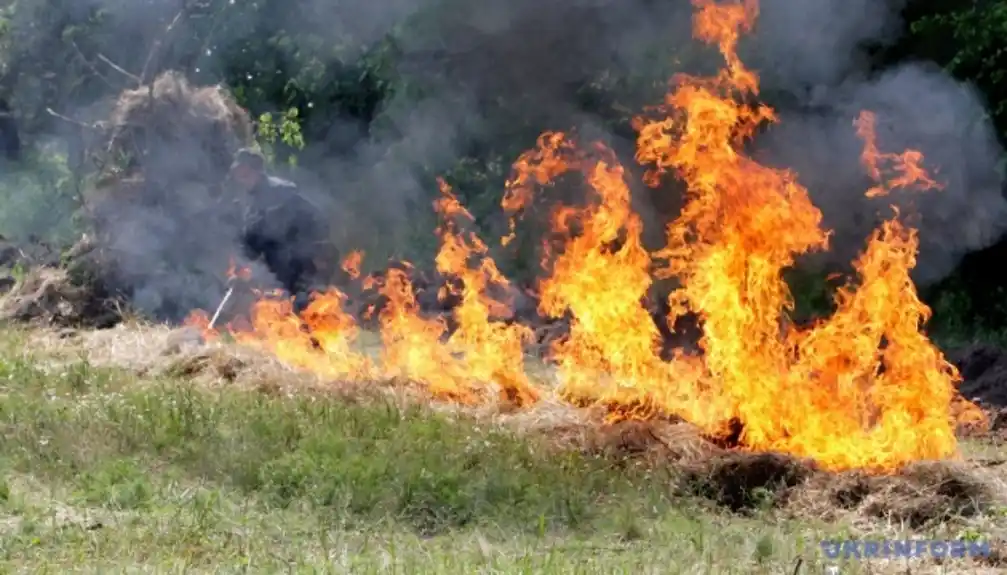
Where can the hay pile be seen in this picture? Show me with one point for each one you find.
(154, 207)
(41, 286)
(158, 234)
(163, 136)
(173, 131)
(51, 296)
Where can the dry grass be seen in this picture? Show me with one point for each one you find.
(155, 351)
(47, 294)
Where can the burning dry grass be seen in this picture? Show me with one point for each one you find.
(841, 417)
(862, 389)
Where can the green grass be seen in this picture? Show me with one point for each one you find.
(98, 473)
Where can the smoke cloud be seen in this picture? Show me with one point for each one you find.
(813, 51)
(920, 108)
(491, 71)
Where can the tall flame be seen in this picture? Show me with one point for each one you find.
(863, 388)
(493, 350)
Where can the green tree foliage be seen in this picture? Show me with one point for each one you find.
(40, 198)
(969, 38)
(284, 133)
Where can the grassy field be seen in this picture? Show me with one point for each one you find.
(105, 471)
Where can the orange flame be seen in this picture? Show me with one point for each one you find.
(863, 388)
(234, 272)
(412, 344)
(352, 262)
(200, 320)
(906, 165)
(493, 350)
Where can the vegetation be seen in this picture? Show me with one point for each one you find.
(103, 469)
(99, 470)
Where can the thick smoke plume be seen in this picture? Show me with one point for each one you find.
(918, 107)
(813, 50)
(478, 61)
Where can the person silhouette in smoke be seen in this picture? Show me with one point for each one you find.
(279, 226)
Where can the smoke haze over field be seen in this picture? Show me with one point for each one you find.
(474, 58)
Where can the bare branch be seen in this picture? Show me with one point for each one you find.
(151, 65)
(90, 65)
(119, 69)
(78, 123)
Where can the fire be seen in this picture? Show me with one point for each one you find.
(907, 165)
(454, 363)
(493, 350)
(863, 388)
(351, 265)
(239, 273)
(320, 339)
(201, 320)
(412, 344)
